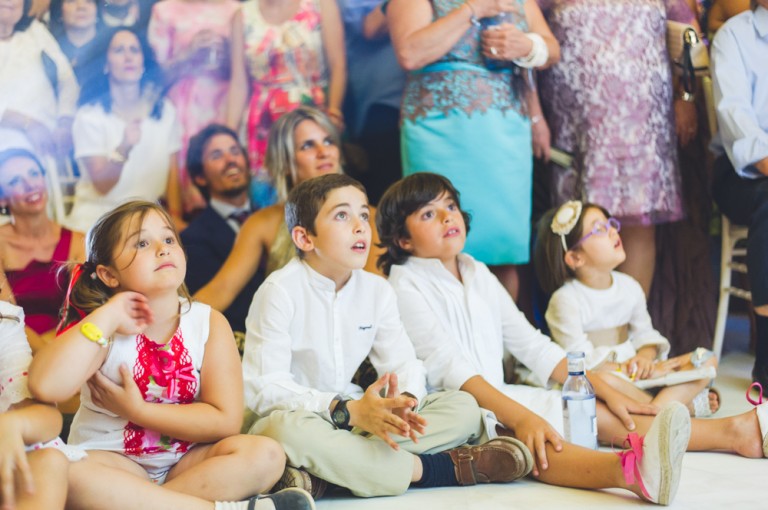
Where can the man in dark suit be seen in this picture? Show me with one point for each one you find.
(218, 166)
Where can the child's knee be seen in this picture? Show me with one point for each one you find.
(50, 464)
(264, 451)
(49, 459)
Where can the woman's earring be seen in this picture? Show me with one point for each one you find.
(4, 211)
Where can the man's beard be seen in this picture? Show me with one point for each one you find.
(234, 192)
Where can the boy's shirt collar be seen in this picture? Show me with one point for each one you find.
(436, 268)
(321, 281)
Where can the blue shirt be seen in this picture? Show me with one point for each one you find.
(373, 73)
(740, 79)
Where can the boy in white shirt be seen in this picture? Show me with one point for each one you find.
(310, 326)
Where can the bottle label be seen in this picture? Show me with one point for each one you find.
(580, 421)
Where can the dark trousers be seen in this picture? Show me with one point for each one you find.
(745, 202)
(380, 137)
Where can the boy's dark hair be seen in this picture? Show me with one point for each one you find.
(402, 199)
(306, 199)
(196, 149)
(549, 255)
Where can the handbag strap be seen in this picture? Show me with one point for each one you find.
(690, 39)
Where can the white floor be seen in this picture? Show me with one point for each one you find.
(709, 480)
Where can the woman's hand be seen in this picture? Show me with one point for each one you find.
(124, 399)
(375, 414)
(686, 122)
(14, 466)
(536, 432)
(505, 42)
(336, 116)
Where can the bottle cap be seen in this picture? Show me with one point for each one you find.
(576, 361)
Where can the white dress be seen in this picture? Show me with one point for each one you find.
(607, 324)
(462, 328)
(165, 373)
(15, 357)
(145, 171)
(26, 88)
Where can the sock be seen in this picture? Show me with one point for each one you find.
(437, 471)
(761, 347)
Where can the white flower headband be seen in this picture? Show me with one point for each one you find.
(565, 219)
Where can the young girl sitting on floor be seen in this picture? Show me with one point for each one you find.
(162, 397)
(603, 313)
(33, 470)
(460, 319)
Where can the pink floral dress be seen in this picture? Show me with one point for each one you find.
(200, 97)
(287, 68)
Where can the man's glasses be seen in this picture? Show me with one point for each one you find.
(600, 228)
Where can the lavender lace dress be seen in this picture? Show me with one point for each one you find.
(609, 103)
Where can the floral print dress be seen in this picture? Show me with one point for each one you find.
(609, 103)
(286, 68)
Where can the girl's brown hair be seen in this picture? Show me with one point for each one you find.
(87, 292)
(549, 255)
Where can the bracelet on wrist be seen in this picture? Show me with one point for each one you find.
(537, 56)
(94, 334)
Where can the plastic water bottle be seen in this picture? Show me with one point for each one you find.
(579, 414)
(489, 23)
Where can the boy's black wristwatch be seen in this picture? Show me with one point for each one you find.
(340, 415)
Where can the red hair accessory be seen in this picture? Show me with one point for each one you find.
(77, 272)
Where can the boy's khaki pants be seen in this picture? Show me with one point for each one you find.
(364, 464)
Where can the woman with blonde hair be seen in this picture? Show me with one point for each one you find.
(302, 144)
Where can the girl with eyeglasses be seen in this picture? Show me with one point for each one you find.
(603, 312)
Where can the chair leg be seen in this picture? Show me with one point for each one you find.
(726, 256)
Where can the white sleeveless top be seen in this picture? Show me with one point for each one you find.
(165, 373)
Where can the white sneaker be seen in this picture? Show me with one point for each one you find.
(655, 461)
(762, 419)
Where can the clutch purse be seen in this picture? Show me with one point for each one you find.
(687, 52)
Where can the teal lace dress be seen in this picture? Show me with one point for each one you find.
(466, 122)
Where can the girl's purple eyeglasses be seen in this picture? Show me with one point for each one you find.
(600, 228)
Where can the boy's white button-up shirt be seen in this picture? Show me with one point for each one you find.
(305, 341)
(460, 329)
